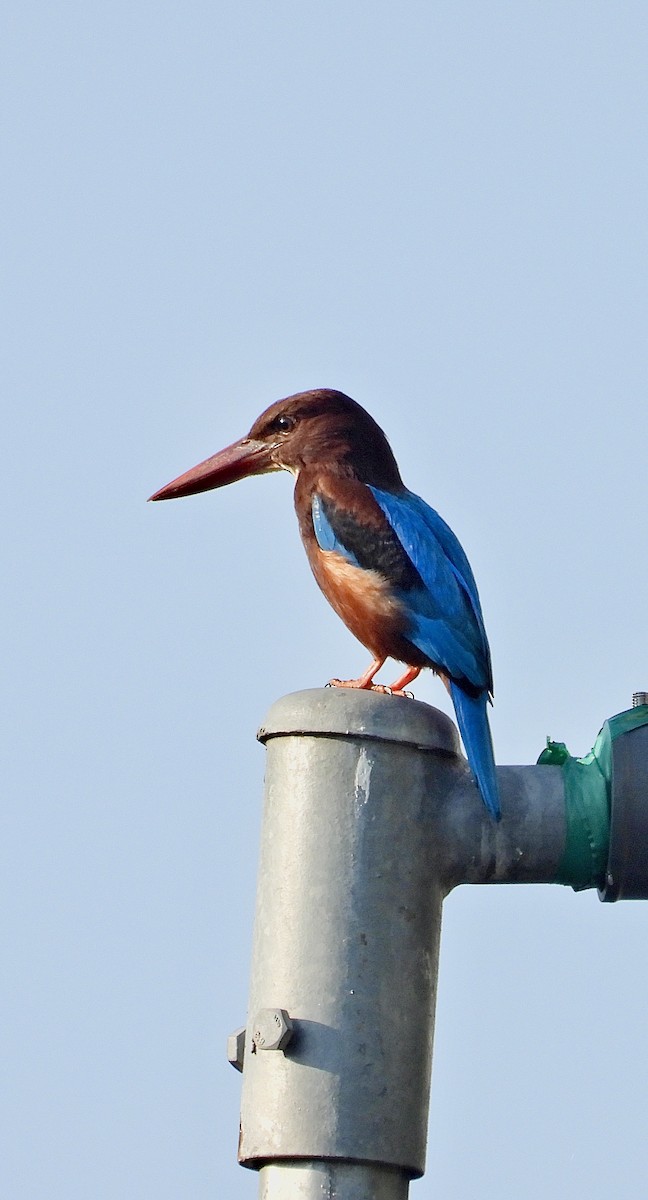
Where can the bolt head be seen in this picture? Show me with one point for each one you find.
(272, 1029)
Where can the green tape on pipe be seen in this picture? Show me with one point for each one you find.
(588, 784)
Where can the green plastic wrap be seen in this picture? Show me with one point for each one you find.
(588, 788)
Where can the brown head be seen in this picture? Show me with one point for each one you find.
(320, 430)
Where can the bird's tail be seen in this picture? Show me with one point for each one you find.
(472, 719)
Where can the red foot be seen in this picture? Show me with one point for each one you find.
(380, 688)
(407, 677)
(360, 685)
(365, 682)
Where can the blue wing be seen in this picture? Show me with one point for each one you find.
(446, 620)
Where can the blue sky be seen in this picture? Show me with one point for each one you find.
(441, 210)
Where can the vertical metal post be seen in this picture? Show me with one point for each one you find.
(346, 944)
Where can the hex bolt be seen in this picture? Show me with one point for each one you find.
(272, 1029)
(236, 1048)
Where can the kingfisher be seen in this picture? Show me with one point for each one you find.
(388, 564)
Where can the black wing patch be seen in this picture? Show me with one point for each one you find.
(372, 547)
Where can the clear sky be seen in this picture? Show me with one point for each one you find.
(439, 208)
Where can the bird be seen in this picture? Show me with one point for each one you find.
(386, 561)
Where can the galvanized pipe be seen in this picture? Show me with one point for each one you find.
(330, 1180)
(371, 817)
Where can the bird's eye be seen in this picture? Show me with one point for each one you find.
(284, 424)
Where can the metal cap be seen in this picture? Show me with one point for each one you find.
(350, 712)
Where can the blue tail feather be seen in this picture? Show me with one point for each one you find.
(472, 719)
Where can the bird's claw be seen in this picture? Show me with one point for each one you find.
(380, 688)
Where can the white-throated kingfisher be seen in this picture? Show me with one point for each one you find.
(387, 562)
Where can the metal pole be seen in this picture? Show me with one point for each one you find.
(371, 816)
(346, 942)
(328, 1180)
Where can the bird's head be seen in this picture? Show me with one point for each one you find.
(321, 430)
